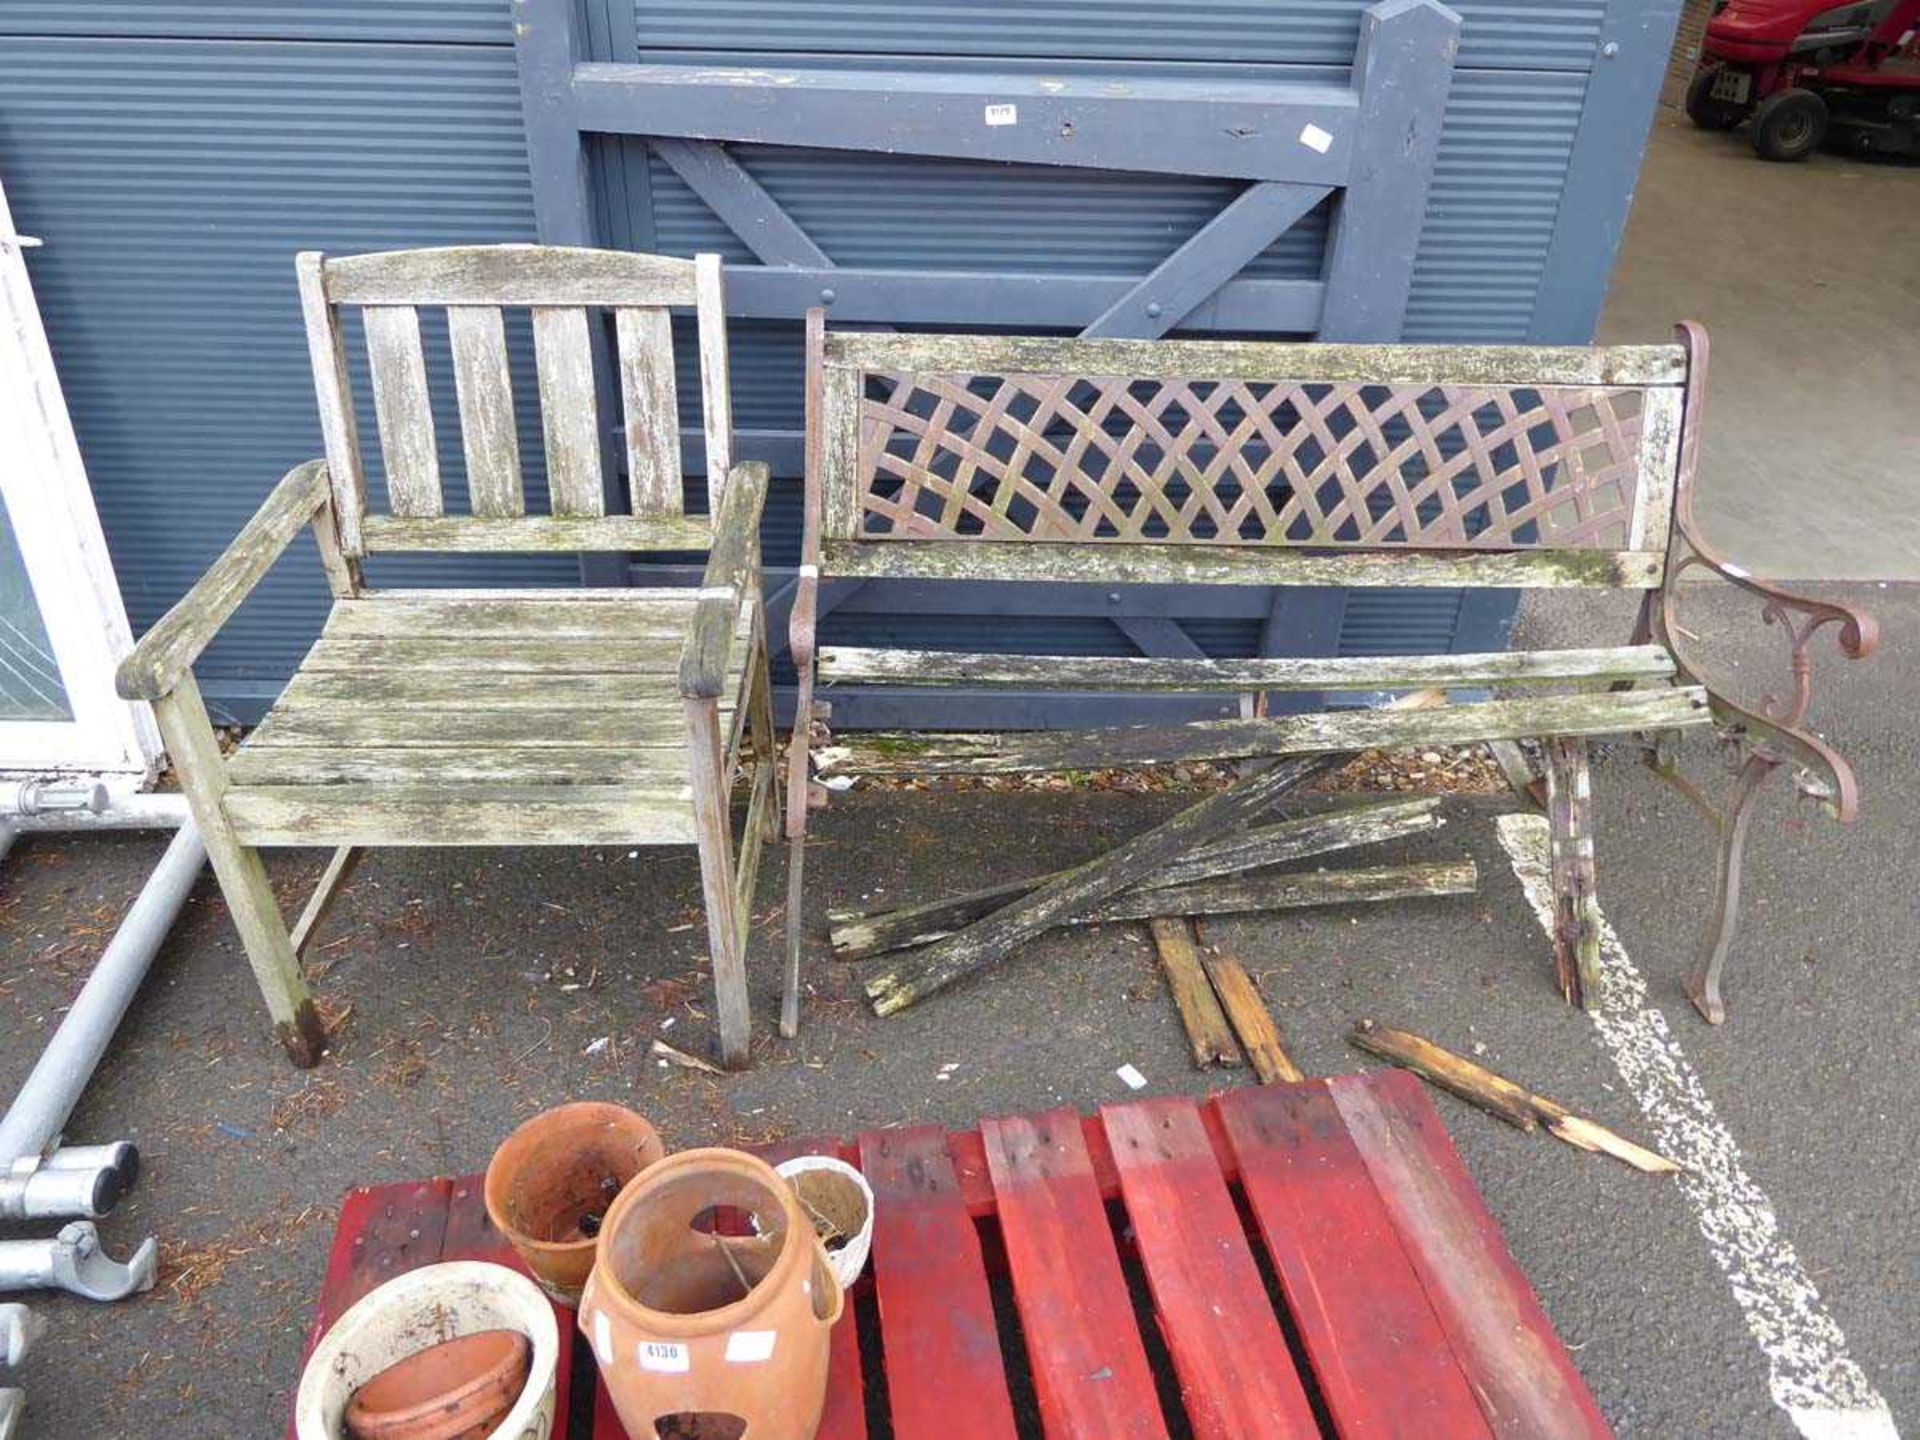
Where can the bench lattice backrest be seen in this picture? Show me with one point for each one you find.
(564, 292)
(1257, 462)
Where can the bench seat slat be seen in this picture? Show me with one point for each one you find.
(1606, 713)
(1401, 672)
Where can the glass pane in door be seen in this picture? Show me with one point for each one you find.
(30, 686)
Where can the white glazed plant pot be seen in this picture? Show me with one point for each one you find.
(422, 1308)
(849, 1256)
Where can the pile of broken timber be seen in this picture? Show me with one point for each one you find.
(1203, 861)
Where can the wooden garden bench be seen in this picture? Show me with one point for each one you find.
(593, 716)
(1109, 462)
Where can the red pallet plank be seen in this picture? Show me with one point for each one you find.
(845, 1414)
(1236, 1374)
(606, 1424)
(382, 1232)
(976, 1185)
(471, 1236)
(1090, 1371)
(1527, 1382)
(945, 1374)
(1378, 1351)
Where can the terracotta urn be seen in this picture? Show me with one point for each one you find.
(712, 1299)
(456, 1390)
(550, 1184)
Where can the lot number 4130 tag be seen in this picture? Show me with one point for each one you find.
(668, 1356)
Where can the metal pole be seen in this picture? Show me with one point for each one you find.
(40, 1111)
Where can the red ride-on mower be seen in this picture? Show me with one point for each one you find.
(1798, 72)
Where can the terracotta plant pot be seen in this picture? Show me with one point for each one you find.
(839, 1201)
(550, 1184)
(712, 1299)
(457, 1390)
(416, 1312)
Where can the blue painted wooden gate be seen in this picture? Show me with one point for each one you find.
(1356, 155)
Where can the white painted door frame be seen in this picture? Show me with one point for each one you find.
(44, 486)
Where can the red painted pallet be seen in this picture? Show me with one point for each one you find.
(1284, 1261)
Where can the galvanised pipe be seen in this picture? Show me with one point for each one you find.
(40, 1111)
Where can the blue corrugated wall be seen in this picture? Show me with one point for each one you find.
(174, 157)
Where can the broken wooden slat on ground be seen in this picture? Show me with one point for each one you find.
(1500, 1096)
(1458, 1076)
(1304, 891)
(859, 936)
(1609, 712)
(988, 941)
(666, 1053)
(1237, 895)
(1208, 1033)
(1252, 1021)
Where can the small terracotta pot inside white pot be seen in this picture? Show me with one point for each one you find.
(419, 1309)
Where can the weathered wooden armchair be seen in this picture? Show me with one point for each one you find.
(492, 717)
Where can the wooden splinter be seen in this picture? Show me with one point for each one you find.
(1499, 1096)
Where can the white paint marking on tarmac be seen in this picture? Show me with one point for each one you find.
(1811, 1375)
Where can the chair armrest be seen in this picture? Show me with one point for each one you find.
(168, 650)
(1777, 727)
(730, 564)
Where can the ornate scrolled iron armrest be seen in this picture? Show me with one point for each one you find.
(1777, 728)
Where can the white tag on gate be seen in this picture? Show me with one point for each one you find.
(1316, 139)
(669, 1357)
(1003, 114)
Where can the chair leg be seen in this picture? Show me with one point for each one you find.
(766, 739)
(184, 725)
(1703, 983)
(1576, 932)
(269, 947)
(713, 829)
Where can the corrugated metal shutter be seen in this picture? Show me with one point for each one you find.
(1227, 32)
(176, 156)
(172, 181)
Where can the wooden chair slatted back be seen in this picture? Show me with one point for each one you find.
(563, 290)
